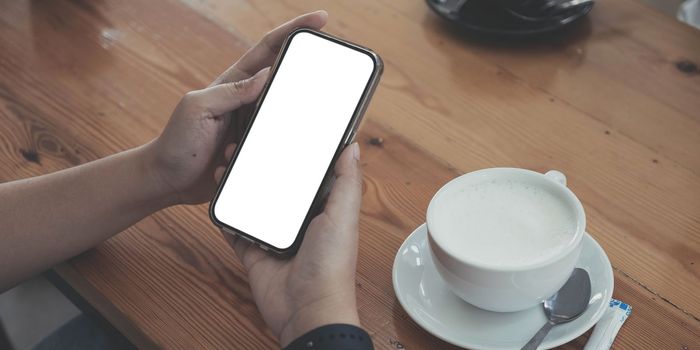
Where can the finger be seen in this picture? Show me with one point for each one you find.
(228, 152)
(250, 255)
(239, 122)
(245, 250)
(265, 51)
(230, 239)
(240, 246)
(219, 173)
(343, 206)
(224, 98)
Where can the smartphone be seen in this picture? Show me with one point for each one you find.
(309, 110)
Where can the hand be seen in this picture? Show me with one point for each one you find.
(317, 286)
(183, 158)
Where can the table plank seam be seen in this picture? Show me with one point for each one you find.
(645, 287)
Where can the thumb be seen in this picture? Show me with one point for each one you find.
(223, 98)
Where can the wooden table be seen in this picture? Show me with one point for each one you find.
(609, 105)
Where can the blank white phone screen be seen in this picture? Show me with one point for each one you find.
(294, 136)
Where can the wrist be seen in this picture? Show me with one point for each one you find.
(146, 166)
(317, 314)
(333, 336)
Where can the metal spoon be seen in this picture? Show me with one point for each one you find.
(564, 306)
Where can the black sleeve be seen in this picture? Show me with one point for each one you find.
(332, 337)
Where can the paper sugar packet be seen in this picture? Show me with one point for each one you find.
(606, 329)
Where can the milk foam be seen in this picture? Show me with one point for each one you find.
(504, 223)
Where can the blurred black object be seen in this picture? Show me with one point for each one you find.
(4, 339)
(507, 19)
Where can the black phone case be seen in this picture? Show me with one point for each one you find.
(323, 191)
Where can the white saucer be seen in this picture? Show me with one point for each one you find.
(426, 298)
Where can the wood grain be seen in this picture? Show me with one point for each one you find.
(606, 104)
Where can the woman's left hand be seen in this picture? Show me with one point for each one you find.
(205, 122)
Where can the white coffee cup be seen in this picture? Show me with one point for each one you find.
(505, 239)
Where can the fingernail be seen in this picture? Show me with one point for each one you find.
(356, 151)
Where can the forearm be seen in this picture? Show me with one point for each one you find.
(53, 217)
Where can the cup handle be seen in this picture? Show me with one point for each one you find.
(556, 176)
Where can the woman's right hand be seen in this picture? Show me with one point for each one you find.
(317, 286)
